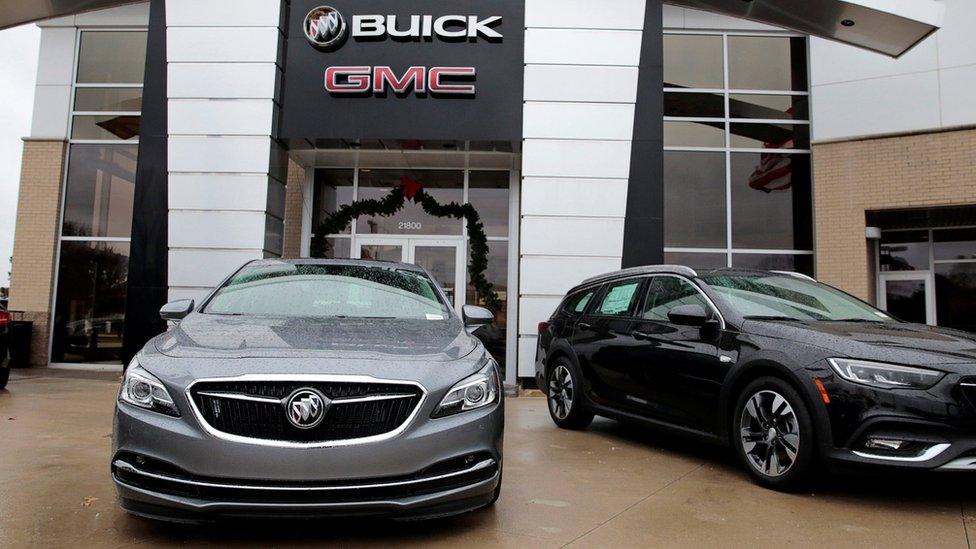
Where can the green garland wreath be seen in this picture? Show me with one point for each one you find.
(409, 189)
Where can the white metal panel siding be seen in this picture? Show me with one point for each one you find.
(580, 90)
(223, 81)
(856, 93)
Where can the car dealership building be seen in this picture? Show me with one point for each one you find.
(173, 141)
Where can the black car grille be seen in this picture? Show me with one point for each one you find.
(967, 387)
(238, 416)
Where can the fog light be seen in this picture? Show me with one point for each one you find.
(889, 444)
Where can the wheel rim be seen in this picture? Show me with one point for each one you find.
(769, 433)
(561, 392)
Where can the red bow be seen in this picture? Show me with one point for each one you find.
(410, 187)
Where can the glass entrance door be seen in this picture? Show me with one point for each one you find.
(443, 259)
(908, 296)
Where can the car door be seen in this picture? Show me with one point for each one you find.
(678, 369)
(602, 340)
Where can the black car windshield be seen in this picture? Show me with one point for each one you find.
(775, 296)
(310, 290)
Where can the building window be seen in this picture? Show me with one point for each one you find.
(93, 255)
(737, 151)
(947, 256)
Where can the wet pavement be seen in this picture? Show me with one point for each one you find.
(613, 485)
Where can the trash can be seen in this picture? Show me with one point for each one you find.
(20, 340)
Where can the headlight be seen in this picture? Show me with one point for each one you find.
(471, 393)
(885, 376)
(140, 388)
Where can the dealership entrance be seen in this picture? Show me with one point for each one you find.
(443, 258)
(485, 175)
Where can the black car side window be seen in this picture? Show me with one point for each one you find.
(576, 303)
(666, 293)
(618, 298)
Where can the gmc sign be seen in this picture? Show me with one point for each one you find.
(365, 80)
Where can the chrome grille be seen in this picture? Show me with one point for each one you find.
(256, 409)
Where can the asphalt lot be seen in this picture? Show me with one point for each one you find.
(611, 486)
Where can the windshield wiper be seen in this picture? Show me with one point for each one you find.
(871, 320)
(773, 317)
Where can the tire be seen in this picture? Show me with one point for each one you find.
(773, 434)
(565, 401)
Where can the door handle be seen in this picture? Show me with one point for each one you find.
(641, 335)
(584, 325)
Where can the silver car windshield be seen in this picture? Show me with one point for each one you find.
(336, 291)
(790, 298)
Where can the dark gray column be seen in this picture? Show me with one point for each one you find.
(644, 226)
(147, 284)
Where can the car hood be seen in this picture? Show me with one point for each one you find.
(238, 337)
(902, 343)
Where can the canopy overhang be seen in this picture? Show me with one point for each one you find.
(890, 27)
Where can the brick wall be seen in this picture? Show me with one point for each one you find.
(854, 177)
(294, 196)
(35, 241)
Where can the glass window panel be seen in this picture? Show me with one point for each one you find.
(695, 260)
(906, 300)
(112, 57)
(693, 61)
(668, 292)
(770, 136)
(767, 63)
(337, 248)
(771, 201)
(698, 105)
(694, 199)
(769, 107)
(381, 252)
(494, 336)
(774, 262)
(333, 189)
(955, 244)
(444, 185)
(694, 134)
(90, 302)
(99, 190)
(489, 193)
(109, 127)
(905, 251)
(618, 299)
(108, 99)
(955, 295)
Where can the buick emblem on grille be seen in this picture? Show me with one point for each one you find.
(306, 408)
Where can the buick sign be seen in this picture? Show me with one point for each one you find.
(325, 27)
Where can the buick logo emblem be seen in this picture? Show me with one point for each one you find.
(306, 408)
(325, 27)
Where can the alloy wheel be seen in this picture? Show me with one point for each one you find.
(561, 392)
(769, 433)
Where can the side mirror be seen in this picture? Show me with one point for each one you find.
(175, 311)
(475, 317)
(688, 315)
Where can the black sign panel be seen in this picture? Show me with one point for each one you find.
(394, 69)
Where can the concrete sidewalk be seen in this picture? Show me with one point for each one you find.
(611, 486)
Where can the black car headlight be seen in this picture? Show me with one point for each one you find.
(142, 389)
(473, 392)
(885, 376)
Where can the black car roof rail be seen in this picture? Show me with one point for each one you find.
(795, 274)
(646, 269)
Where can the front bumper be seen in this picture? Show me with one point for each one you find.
(168, 495)
(173, 469)
(940, 424)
